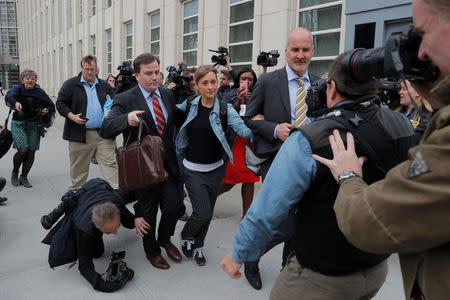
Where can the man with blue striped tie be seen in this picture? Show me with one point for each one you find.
(280, 97)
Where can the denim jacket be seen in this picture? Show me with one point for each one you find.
(234, 121)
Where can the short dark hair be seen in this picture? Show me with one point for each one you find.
(144, 59)
(190, 70)
(345, 82)
(88, 59)
(227, 74)
(237, 79)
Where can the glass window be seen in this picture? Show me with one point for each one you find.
(155, 23)
(308, 3)
(129, 41)
(324, 22)
(190, 32)
(321, 19)
(93, 45)
(93, 7)
(109, 51)
(240, 37)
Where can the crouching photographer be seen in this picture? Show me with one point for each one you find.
(89, 212)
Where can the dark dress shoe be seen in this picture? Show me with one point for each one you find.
(3, 199)
(14, 178)
(158, 262)
(251, 271)
(172, 251)
(24, 181)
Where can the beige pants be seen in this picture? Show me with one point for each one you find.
(80, 158)
(296, 282)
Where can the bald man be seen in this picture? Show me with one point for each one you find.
(279, 96)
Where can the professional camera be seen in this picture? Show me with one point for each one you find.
(118, 273)
(175, 76)
(125, 79)
(220, 59)
(397, 59)
(268, 59)
(68, 201)
(316, 98)
(389, 93)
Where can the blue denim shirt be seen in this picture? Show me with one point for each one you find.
(94, 110)
(234, 121)
(289, 177)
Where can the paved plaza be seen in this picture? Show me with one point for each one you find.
(25, 274)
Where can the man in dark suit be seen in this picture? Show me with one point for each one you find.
(280, 97)
(156, 107)
(275, 97)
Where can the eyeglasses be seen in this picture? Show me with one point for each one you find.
(89, 69)
(30, 78)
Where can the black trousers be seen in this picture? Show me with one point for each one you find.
(165, 196)
(202, 188)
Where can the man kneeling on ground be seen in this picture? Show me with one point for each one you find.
(99, 209)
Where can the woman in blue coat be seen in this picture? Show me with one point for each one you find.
(202, 138)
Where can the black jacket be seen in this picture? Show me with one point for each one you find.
(76, 237)
(117, 122)
(72, 98)
(270, 97)
(381, 135)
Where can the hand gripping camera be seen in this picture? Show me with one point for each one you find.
(118, 274)
(68, 201)
(175, 76)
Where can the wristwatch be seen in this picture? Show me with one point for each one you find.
(346, 175)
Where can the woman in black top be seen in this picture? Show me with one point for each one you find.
(202, 138)
(34, 110)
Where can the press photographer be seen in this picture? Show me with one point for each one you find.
(89, 212)
(407, 212)
(181, 81)
(125, 80)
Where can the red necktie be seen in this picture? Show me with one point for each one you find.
(160, 120)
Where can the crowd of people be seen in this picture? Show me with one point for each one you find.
(342, 191)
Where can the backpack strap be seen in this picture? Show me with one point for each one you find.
(223, 115)
(351, 121)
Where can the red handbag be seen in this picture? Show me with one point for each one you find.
(141, 163)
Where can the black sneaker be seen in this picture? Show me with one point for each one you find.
(2, 183)
(199, 258)
(186, 247)
(14, 178)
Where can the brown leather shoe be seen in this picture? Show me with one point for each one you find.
(158, 262)
(172, 251)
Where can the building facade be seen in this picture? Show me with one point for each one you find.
(9, 54)
(370, 23)
(54, 35)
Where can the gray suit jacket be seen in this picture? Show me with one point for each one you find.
(270, 97)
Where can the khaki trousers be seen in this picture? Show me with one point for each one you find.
(80, 158)
(296, 282)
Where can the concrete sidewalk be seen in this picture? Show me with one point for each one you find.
(25, 274)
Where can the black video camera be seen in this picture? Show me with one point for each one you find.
(268, 59)
(388, 93)
(397, 59)
(68, 201)
(176, 76)
(220, 59)
(125, 79)
(316, 98)
(118, 274)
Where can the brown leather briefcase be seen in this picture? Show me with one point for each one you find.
(141, 163)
